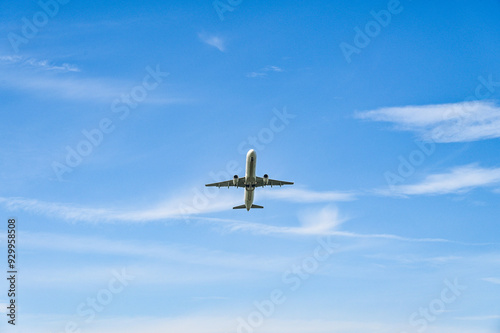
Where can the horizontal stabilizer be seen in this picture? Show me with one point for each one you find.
(244, 207)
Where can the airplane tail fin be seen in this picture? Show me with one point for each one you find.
(244, 207)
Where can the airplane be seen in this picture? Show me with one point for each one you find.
(250, 182)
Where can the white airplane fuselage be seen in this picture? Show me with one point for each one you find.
(250, 179)
(250, 182)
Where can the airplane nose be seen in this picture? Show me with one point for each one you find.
(251, 152)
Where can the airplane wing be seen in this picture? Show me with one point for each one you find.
(271, 182)
(228, 183)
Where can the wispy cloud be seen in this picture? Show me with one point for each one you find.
(256, 74)
(264, 71)
(455, 122)
(322, 222)
(225, 323)
(177, 208)
(10, 59)
(477, 318)
(492, 280)
(46, 65)
(68, 88)
(318, 222)
(302, 195)
(47, 80)
(186, 254)
(38, 64)
(458, 180)
(313, 222)
(271, 68)
(44, 78)
(412, 259)
(212, 40)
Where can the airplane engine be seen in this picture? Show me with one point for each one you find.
(266, 179)
(235, 180)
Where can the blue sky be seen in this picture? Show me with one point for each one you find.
(385, 114)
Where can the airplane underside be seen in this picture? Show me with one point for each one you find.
(250, 182)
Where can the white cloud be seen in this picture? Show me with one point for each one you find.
(38, 64)
(256, 74)
(213, 40)
(492, 280)
(9, 59)
(69, 88)
(479, 318)
(227, 323)
(458, 180)
(323, 222)
(190, 204)
(145, 274)
(414, 259)
(320, 221)
(301, 195)
(271, 68)
(167, 253)
(177, 208)
(264, 71)
(48, 80)
(454, 122)
(44, 64)
(53, 85)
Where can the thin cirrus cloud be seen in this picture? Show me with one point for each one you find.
(68, 88)
(454, 122)
(37, 64)
(216, 322)
(46, 80)
(213, 322)
(319, 222)
(458, 180)
(213, 40)
(44, 64)
(493, 280)
(302, 195)
(477, 318)
(264, 71)
(313, 223)
(184, 254)
(178, 208)
(324, 222)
